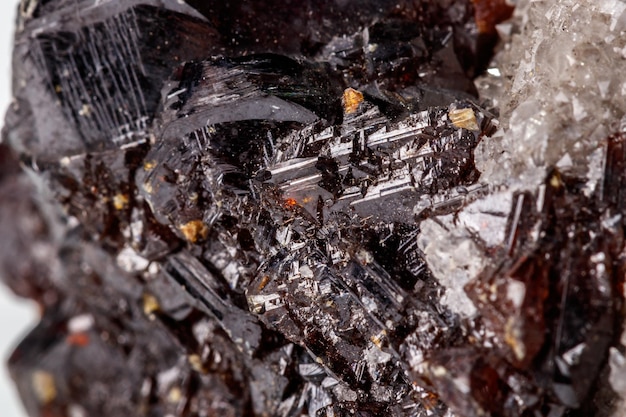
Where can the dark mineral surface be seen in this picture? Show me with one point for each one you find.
(217, 206)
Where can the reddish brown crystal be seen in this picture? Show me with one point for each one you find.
(489, 13)
(235, 241)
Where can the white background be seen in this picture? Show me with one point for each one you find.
(16, 315)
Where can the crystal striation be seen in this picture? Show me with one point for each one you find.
(280, 209)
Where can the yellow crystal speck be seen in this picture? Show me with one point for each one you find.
(44, 386)
(463, 119)
(351, 100)
(194, 230)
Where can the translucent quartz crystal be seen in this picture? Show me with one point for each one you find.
(560, 89)
(558, 86)
(306, 208)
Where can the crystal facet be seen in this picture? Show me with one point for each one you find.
(284, 209)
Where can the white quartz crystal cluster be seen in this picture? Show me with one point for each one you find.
(559, 82)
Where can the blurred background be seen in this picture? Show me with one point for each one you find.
(17, 316)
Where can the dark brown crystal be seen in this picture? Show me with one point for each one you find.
(218, 207)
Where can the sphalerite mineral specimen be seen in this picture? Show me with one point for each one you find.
(315, 208)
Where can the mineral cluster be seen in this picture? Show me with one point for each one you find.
(318, 208)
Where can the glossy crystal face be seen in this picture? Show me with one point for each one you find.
(274, 209)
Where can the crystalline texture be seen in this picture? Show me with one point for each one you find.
(558, 97)
(275, 209)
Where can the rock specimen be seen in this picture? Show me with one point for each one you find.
(279, 209)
